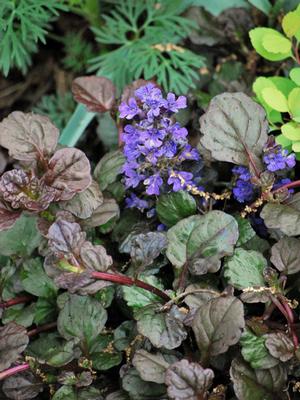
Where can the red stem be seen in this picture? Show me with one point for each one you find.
(287, 186)
(16, 300)
(42, 328)
(13, 371)
(127, 281)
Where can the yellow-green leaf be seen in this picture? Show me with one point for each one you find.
(257, 36)
(294, 104)
(295, 75)
(276, 43)
(291, 131)
(275, 99)
(284, 141)
(291, 23)
(296, 147)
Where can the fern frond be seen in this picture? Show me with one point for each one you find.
(22, 24)
(143, 31)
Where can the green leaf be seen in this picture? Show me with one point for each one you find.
(139, 389)
(202, 240)
(258, 39)
(34, 279)
(291, 23)
(257, 384)
(276, 44)
(217, 325)
(124, 335)
(294, 104)
(173, 207)
(245, 269)
(137, 297)
(285, 216)
(216, 7)
(21, 239)
(246, 232)
(163, 329)
(285, 255)
(263, 5)
(291, 131)
(52, 350)
(295, 75)
(233, 127)
(259, 85)
(255, 352)
(102, 355)
(275, 99)
(45, 310)
(20, 315)
(151, 367)
(108, 168)
(81, 318)
(65, 393)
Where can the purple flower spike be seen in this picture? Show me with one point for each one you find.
(180, 180)
(153, 184)
(129, 110)
(174, 105)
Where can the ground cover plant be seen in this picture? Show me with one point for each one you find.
(150, 214)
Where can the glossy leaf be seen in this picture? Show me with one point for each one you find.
(285, 255)
(151, 367)
(13, 341)
(218, 324)
(23, 386)
(234, 127)
(108, 168)
(280, 346)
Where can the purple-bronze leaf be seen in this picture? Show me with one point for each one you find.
(280, 346)
(97, 93)
(23, 386)
(85, 203)
(65, 237)
(28, 137)
(13, 341)
(7, 216)
(95, 257)
(188, 380)
(69, 173)
(26, 191)
(104, 213)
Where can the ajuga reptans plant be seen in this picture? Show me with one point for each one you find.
(100, 301)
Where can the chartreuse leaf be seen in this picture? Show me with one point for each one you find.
(233, 127)
(217, 325)
(295, 75)
(245, 269)
(201, 241)
(21, 239)
(291, 23)
(294, 104)
(259, 85)
(82, 318)
(291, 131)
(296, 147)
(257, 384)
(173, 207)
(275, 99)
(255, 352)
(270, 44)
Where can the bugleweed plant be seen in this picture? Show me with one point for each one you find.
(150, 278)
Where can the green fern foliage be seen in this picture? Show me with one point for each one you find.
(23, 23)
(147, 35)
(78, 51)
(58, 107)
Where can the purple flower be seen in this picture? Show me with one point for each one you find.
(277, 159)
(242, 172)
(189, 153)
(144, 92)
(178, 133)
(152, 99)
(168, 150)
(129, 110)
(153, 184)
(134, 202)
(174, 105)
(161, 228)
(152, 138)
(243, 191)
(180, 180)
(133, 178)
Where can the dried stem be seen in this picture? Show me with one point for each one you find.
(127, 281)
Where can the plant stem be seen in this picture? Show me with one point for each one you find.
(13, 371)
(15, 301)
(42, 328)
(127, 281)
(287, 186)
(182, 295)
